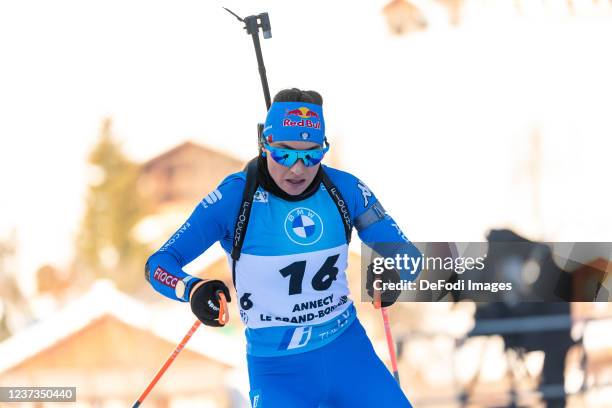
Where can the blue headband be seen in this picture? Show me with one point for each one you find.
(294, 121)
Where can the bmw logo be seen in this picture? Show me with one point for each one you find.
(303, 226)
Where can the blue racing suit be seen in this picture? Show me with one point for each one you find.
(292, 290)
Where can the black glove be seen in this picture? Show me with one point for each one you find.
(387, 297)
(205, 301)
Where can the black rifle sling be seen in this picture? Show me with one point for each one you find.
(336, 197)
(242, 221)
(244, 213)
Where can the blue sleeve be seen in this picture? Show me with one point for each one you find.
(384, 235)
(212, 220)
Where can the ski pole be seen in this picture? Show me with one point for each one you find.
(388, 334)
(223, 319)
(390, 343)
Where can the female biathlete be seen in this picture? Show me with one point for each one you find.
(285, 223)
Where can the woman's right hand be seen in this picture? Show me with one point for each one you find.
(204, 300)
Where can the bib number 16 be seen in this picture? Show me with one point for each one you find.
(322, 280)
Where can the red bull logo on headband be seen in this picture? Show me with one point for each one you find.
(306, 116)
(295, 121)
(303, 113)
(302, 123)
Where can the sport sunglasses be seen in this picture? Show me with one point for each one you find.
(288, 157)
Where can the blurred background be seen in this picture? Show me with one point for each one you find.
(463, 116)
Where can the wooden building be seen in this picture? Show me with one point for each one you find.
(174, 182)
(110, 346)
(185, 174)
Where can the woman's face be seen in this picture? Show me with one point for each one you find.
(293, 180)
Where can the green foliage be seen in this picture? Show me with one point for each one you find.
(106, 246)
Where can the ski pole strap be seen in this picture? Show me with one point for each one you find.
(336, 196)
(223, 311)
(244, 213)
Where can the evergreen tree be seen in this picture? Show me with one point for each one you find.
(15, 311)
(106, 246)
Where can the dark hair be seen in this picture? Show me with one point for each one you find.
(297, 95)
